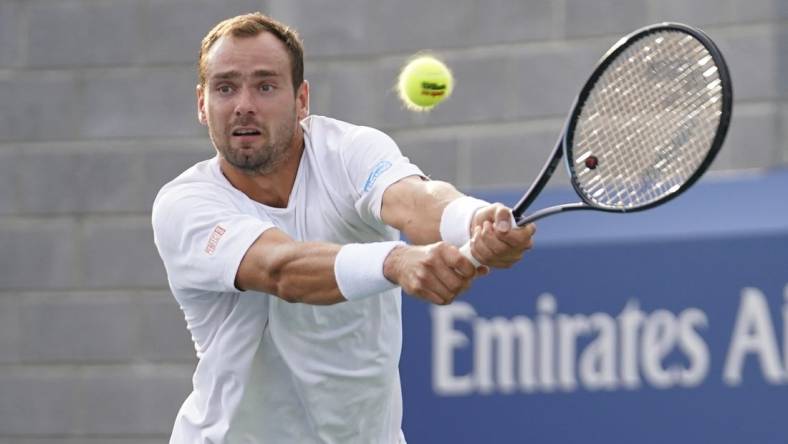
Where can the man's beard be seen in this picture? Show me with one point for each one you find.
(264, 159)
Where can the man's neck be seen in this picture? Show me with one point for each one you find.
(271, 189)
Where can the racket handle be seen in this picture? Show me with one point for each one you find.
(466, 251)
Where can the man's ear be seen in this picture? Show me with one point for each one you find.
(302, 100)
(201, 116)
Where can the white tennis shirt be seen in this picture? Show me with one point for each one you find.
(271, 371)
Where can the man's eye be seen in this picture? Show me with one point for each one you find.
(266, 87)
(224, 89)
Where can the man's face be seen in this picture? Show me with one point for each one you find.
(248, 102)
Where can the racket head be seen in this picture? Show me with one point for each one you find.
(650, 119)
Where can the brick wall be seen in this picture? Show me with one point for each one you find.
(97, 112)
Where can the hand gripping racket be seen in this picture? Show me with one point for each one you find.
(646, 125)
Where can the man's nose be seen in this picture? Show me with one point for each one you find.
(245, 103)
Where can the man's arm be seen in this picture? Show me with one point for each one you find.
(415, 207)
(305, 271)
(433, 270)
(294, 271)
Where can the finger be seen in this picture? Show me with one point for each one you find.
(430, 288)
(459, 263)
(438, 299)
(451, 282)
(503, 219)
(483, 214)
(439, 277)
(494, 252)
(494, 241)
(480, 247)
(514, 241)
(445, 283)
(519, 235)
(430, 296)
(526, 230)
(462, 271)
(475, 241)
(520, 238)
(423, 282)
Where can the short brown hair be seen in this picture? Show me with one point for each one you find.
(251, 25)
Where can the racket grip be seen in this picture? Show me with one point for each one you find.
(466, 251)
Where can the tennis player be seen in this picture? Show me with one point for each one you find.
(283, 252)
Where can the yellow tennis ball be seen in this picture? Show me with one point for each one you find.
(424, 82)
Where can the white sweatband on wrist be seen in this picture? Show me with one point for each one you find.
(456, 219)
(358, 269)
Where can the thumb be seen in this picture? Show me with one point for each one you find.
(503, 219)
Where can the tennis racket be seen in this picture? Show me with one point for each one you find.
(646, 125)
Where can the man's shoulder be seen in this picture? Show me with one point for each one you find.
(200, 174)
(333, 135)
(317, 125)
(201, 179)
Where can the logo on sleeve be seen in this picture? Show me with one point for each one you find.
(213, 241)
(379, 168)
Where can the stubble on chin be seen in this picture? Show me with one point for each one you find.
(259, 161)
(262, 162)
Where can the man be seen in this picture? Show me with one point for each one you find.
(283, 252)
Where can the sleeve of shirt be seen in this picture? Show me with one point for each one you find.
(202, 237)
(374, 162)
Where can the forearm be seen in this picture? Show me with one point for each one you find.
(414, 206)
(301, 272)
(437, 272)
(305, 273)
(315, 273)
(293, 271)
(323, 273)
(432, 211)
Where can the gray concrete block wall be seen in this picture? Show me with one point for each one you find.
(97, 112)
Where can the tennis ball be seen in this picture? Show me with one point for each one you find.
(424, 82)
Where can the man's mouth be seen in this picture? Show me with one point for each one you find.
(246, 132)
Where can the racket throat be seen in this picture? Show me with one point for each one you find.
(544, 176)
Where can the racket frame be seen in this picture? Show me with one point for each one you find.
(563, 148)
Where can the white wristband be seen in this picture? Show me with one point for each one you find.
(456, 219)
(358, 269)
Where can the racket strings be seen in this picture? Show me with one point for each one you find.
(635, 164)
(650, 120)
(629, 173)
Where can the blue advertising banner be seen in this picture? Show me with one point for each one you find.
(669, 325)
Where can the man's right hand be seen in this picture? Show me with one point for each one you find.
(495, 241)
(436, 272)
